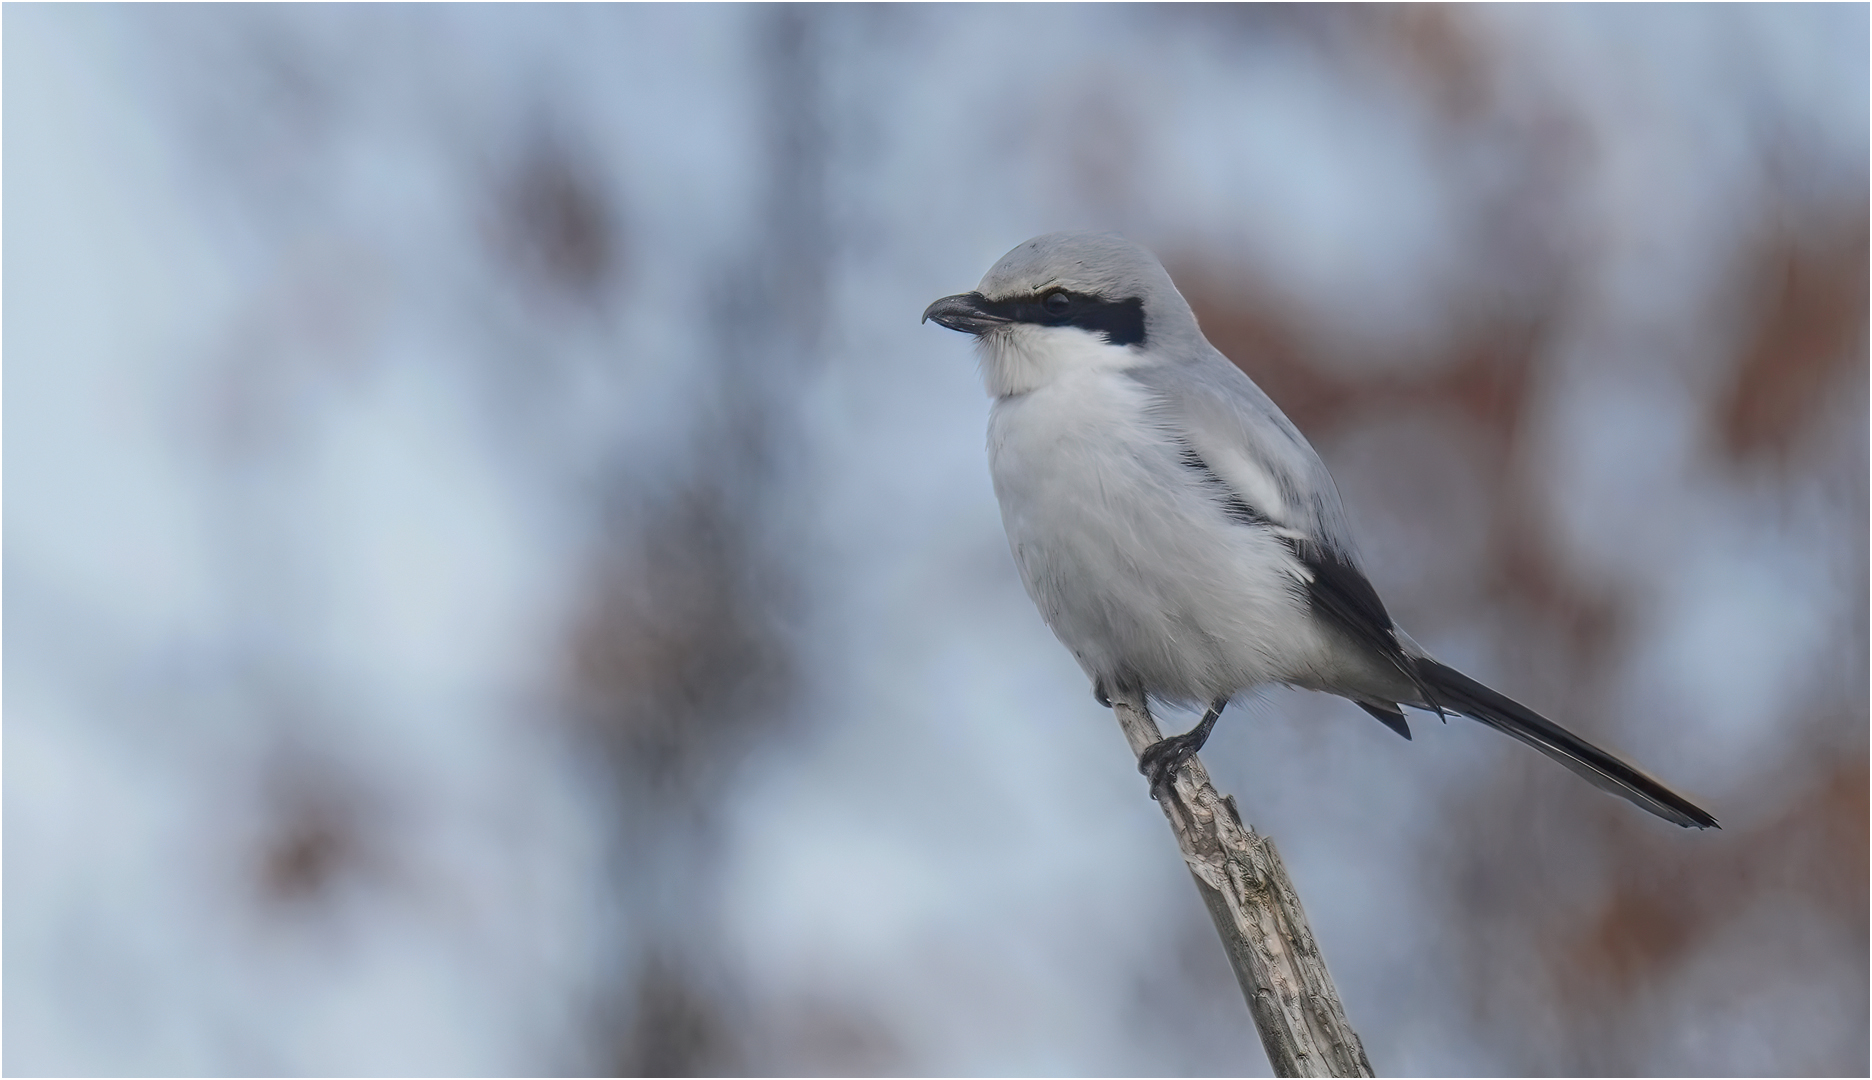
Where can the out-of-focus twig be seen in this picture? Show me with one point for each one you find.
(1256, 910)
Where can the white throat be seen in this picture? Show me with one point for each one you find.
(1022, 357)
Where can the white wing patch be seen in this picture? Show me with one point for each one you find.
(1246, 478)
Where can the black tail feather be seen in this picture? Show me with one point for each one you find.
(1459, 693)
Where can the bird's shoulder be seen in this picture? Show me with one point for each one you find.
(1214, 410)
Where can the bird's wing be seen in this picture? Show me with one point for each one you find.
(1269, 477)
(1242, 441)
(1250, 445)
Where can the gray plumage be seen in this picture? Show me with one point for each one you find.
(1175, 529)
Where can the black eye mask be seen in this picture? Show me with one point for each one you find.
(1121, 321)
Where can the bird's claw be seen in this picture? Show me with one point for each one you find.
(1161, 760)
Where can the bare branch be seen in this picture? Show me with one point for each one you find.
(1256, 910)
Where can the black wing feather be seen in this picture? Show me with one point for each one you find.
(1392, 718)
(1341, 594)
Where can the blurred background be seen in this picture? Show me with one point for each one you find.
(497, 580)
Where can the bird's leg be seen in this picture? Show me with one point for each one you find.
(1103, 688)
(1161, 759)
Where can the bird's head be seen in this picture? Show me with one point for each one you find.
(1065, 302)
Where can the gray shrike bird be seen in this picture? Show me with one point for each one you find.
(1174, 527)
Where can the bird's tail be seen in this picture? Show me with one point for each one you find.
(1459, 693)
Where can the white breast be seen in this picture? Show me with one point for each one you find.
(1137, 571)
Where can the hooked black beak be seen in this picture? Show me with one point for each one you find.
(967, 312)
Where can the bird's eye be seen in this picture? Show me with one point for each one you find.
(1056, 303)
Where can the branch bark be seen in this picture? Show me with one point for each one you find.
(1256, 910)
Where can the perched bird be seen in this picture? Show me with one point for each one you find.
(1176, 530)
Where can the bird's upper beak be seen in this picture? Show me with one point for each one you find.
(967, 312)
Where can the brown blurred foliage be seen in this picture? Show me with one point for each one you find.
(1810, 333)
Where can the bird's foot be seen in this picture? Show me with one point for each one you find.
(1161, 760)
(1099, 694)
